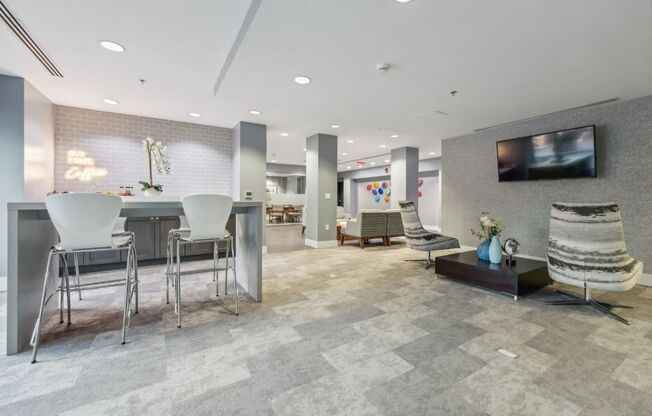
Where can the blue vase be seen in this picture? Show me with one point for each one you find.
(483, 250)
(495, 250)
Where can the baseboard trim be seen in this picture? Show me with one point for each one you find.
(321, 244)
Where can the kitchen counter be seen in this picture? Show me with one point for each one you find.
(31, 234)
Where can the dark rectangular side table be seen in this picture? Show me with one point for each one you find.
(522, 277)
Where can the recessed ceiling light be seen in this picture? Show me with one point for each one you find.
(335, 126)
(304, 149)
(112, 46)
(302, 80)
(394, 136)
(402, 1)
(372, 163)
(273, 160)
(110, 101)
(344, 154)
(348, 167)
(432, 153)
(349, 141)
(255, 112)
(383, 146)
(386, 160)
(195, 115)
(284, 134)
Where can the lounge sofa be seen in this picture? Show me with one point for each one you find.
(370, 223)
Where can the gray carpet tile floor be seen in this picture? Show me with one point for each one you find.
(341, 331)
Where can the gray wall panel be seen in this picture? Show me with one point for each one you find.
(624, 145)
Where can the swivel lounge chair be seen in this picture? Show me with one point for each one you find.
(418, 238)
(586, 248)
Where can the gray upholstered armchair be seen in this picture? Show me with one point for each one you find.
(371, 223)
(586, 248)
(394, 225)
(418, 238)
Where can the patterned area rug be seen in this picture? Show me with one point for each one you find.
(341, 331)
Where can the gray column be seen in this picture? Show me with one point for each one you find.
(12, 128)
(250, 164)
(404, 175)
(321, 191)
(350, 195)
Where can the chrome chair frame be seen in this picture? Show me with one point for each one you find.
(172, 278)
(587, 299)
(130, 282)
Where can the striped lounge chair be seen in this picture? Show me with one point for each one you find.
(418, 238)
(586, 248)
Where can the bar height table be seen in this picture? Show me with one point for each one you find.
(30, 235)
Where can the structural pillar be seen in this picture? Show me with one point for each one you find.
(404, 175)
(249, 142)
(321, 191)
(350, 195)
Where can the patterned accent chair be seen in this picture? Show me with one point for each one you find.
(586, 248)
(394, 225)
(418, 238)
(371, 223)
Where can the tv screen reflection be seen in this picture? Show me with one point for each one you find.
(556, 155)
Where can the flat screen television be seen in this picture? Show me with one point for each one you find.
(555, 155)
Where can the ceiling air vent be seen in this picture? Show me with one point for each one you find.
(22, 34)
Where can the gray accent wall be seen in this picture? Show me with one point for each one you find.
(624, 150)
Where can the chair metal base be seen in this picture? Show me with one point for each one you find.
(173, 277)
(428, 262)
(603, 307)
(130, 282)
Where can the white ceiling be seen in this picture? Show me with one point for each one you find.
(509, 60)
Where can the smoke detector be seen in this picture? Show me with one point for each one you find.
(382, 67)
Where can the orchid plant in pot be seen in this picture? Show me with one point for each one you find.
(489, 234)
(156, 157)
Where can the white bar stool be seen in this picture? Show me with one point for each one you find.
(85, 223)
(206, 216)
(118, 230)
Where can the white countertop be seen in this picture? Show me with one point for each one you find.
(132, 202)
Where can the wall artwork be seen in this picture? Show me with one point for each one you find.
(382, 191)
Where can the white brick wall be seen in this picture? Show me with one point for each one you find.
(200, 156)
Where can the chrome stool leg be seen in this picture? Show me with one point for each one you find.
(60, 290)
(226, 268)
(216, 275)
(66, 278)
(235, 279)
(37, 326)
(126, 306)
(214, 264)
(135, 271)
(178, 284)
(168, 271)
(78, 277)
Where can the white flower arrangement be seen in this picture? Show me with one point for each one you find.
(489, 227)
(156, 153)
